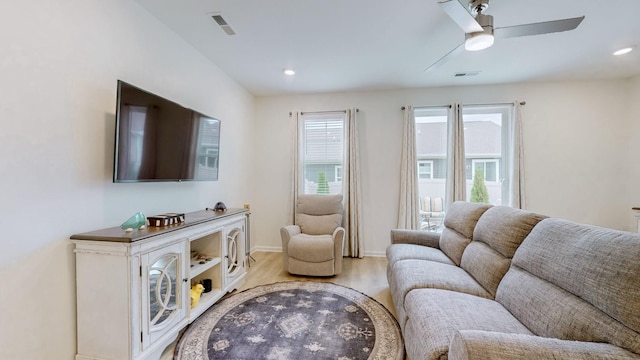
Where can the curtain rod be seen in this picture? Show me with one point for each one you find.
(449, 106)
(428, 107)
(521, 103)
(323, 112)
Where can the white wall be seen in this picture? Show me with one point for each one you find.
(576, 151)
(633, 164)
(59, 64)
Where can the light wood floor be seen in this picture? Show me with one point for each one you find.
(367, 275)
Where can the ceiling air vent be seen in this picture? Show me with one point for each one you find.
(223, 24)
(468, 73)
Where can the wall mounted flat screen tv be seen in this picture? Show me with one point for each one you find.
(159, 140)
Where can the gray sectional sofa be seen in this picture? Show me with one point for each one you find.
(503, 283)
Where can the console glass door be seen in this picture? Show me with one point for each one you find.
(162, 296)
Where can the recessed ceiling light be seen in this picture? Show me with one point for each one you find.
(623, 51)
(289, 71)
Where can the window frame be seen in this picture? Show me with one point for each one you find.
(430, 173)
(484, 168)
(303, 147)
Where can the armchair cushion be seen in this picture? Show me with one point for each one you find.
(311, 248)
(319, 204)
(318, 224)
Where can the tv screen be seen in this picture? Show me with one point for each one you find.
(159, 140)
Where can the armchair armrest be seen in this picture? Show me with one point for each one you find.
(477, 345)
(338, 245)
(416, 237)
(286, 233)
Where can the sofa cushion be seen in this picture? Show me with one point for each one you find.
(550, 311)
(496, 236)
(576, 282)
(436, 315)
(318, 224)
(462, 216)
(504, 228)
(414, 274)
(485, 265)
(481, 345)
(458, 228)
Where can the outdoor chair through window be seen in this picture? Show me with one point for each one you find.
(431, 213)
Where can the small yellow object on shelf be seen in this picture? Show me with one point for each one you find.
(196, 291)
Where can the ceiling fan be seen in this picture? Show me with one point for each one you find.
(479, 30)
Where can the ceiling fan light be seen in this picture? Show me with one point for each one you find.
(478, 41)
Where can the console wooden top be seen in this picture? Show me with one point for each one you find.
(116, 234)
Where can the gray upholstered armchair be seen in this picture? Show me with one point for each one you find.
(313, 246)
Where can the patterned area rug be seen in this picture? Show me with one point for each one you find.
(294, 320)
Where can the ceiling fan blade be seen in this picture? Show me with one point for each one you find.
(458, 13)
(538, 28)
(446, 58)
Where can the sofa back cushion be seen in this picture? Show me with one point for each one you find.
(459, 223)
(576, 282)
(497, 235)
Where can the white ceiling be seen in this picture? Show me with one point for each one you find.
(346, 45)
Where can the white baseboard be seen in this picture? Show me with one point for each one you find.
(267, 248)
(279, 249)
(375, 253)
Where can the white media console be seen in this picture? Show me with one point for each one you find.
(133, 288)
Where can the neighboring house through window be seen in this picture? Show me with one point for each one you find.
(321, 145)
(431, 151)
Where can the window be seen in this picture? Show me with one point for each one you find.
(321, 152)
(425, 169)
(485, 145)
(485, 141)
(489, 168)
(431, 151)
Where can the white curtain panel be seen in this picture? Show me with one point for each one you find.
(517, 186)
(409, 210)
(351, 183)
(295, 165)
(456, 186)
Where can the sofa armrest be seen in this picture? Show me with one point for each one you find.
(476, 345)
(416, 237)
